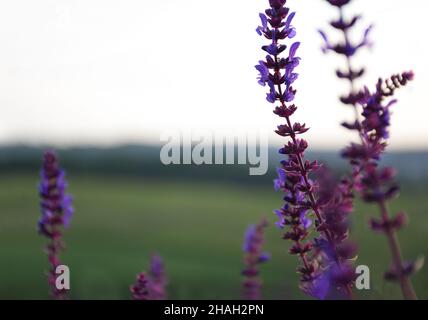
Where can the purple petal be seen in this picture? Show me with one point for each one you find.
(263, 27)
(249, 235)
(289, 20)
(306, 222)
(293, 50)
(68, 210)
(264, 257)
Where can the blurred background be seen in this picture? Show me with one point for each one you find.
(99, 81)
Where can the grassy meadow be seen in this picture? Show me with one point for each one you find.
(197, 227)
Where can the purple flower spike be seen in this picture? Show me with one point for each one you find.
(140, 290)
(56, 212)
(252, 247)
(336, 199)
(294, 175)
(376, 184)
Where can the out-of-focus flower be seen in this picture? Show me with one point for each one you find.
(337, 252)
(254, 256)
(376, 184)
(157, 279)
(56, 212)
(139, 289)
(151, 286)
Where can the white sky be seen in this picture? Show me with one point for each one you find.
(110, 71)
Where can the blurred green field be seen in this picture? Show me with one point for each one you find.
(197, 227)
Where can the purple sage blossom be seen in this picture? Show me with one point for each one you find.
(139, 289)
(254, 255)
(56, 213)
(337, 251)
(376, 184)
(277, 71)
(373, 183)
(151, 286)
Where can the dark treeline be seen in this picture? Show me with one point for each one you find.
(144, 161)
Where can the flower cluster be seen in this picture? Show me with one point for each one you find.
(375, 184)
(56, 213)
(153, 285)
(374, 133)
(337, 250)
(253, 246)
(139, 289)
(278, 73)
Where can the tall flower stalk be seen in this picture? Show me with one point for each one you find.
(375, 184)
(56, 213)
(254, 256)
(301, 202)
(372, 130)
